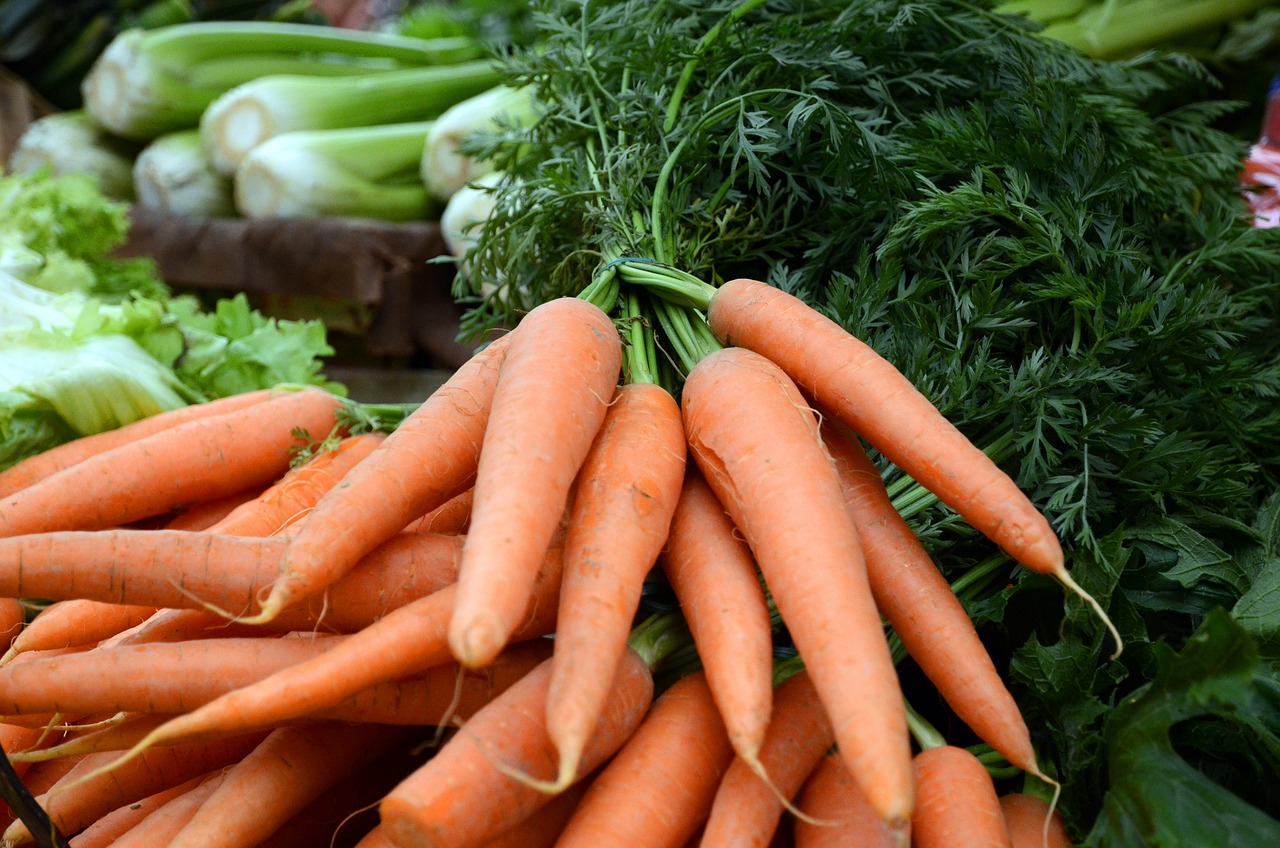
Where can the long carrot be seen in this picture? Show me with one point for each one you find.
(553, 389)
(198, 460)
(1033, 822)
(658, 788)
(841, 816)
(465, 794)
(746, 811)
(172, 816)
(429, 458)
(623, 501)
(76, 622)
(205, 514)
(758, 446)
(36, 468)
(957, 805)
(714, 577)
(845, 375)
(279, 777)
(105, 831)
(918, 603)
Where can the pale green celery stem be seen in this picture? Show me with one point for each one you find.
(445, 168)
(366, 172)
(173, 174)
(71, 142)
(1043, 11)
(1131, 27)
(260, 109)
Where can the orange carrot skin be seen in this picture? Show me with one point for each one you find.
(64, 624)
(623, 501)
(13, 614)
(830, 794)
(758, 446)
(429, 458)
(658, 788)
(459, 799)
(849, 378)
(956, 805)
(161, 677)
(713, 575)
(452, 516)
(293, 496)
(200, 460)
(1025, 817)
(169, 819)
(205, 514)
(918, 603)
(36, 468)
(553, 389)
(745, 812)
(543, 828)
(105, 831)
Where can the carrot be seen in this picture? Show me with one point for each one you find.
(1033, 822)
(13, 615)
(543, 827)
(163, 677)
(293, 496)
(831, 796)
(277, 779)
(918, 603)
(553, 389)
(117, 735)
(714, 577)
(87, 792)
(38, 779)
(623, 501)
(172, 816)
(429, 458)
(178, 625)
(957, 806)
(198, 460)
(759, 448)
(105, 831)
(406, 641)
(452, 516)
(746, 812)
(205, 514)
(681, 750)
(846, 376)
(76, 622)
(465, 794)
(15, 740)
(49, 462)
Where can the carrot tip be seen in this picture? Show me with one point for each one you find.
(1065, 578)
(476, 644)
(761, 772)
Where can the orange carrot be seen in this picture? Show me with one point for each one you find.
(623, 501)
(286, 770)
(465, 794)
(162, 677)
(542, 829)
(87, 792)
(171, 817)
(682, 747)
(117, 735)
(846, 376)
(105, 831)
(44, 464)
(452, 516)
(553, 389)
(195, 461)
(76, 622)
(13, 614)
(408, 640)
(842, 815)
(292, 497)
(759, 448)
(430, 458)
(746, 812)
(714, 577)
(38, 779)
(205, 514)
(1032, 822)
(15, 739)
(957, 806)
(918, 603)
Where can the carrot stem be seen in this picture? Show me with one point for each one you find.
(659, 638)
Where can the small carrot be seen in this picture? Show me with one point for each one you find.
(746, 812)
(758, 446)
(713, 574)
(466, 795)
(173, 815)
(429, 458)
(205, 514)
(49, 462)
(117, 735)
(277, 779)
(682, 750)
(553, 389)
(105, 831)
(13, 615)
(198, 460)
(842, 817)
(957, 805)
(918, 603)
(623, 501)
(64, 624)
(1033, 822)
(452, 516)
(845, 375)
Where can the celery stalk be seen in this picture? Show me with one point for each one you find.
(70, 142)
(173, 174)
(445, 168)
(1043, 11)
(260, 109)
(1115, 30)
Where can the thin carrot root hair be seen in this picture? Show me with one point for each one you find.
(1064, 577)
(451, 711)
(1053, 806)
(125, 756)
(758, 769)
(547, 787)
(209, 606)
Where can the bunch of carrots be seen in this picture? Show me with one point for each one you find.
(243, 649)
